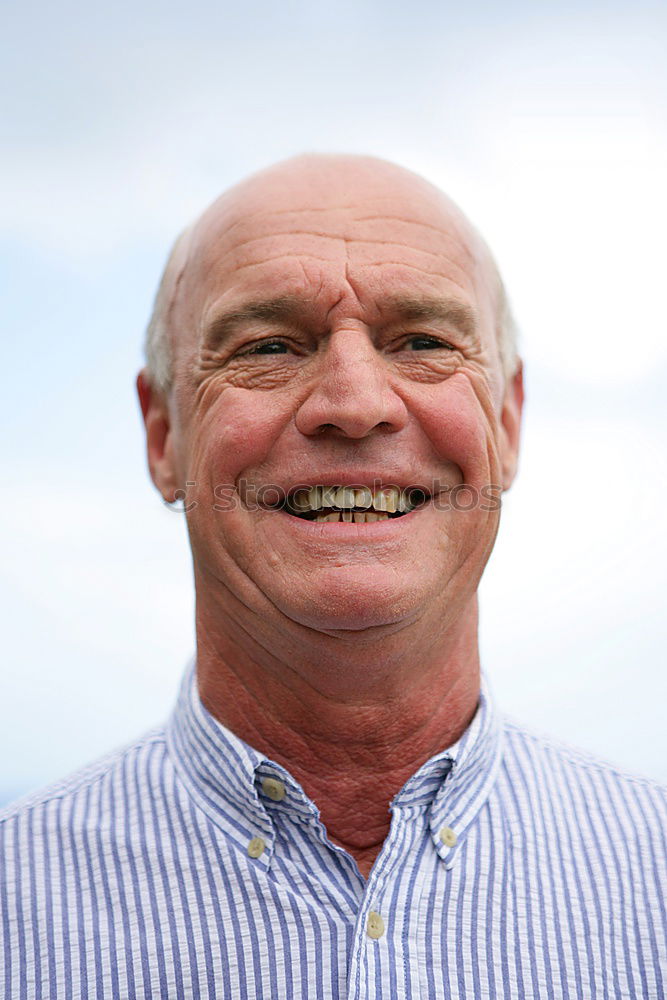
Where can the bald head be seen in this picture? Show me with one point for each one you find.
(322, 190)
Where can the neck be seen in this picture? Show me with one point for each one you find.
(351, 718)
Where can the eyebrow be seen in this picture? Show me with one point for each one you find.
(290, 310)
(283, 310)
(446, 310)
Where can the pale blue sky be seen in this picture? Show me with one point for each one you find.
(548, 123)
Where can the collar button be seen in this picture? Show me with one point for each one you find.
(447, 836)
(273, 789)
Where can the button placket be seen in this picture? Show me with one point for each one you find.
(376, 927)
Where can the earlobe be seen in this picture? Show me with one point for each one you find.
(159, 439)
(511, 426)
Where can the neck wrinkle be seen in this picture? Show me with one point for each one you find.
(351, 755)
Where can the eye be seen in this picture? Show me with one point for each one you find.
(268, 347)
(422, 342)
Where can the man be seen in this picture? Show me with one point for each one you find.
(335, 808)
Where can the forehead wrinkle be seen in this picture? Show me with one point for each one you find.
(417, 250)
(287, 233)
(280, 256)
(422, 270)
(334, 233)
(249, 217)
(340, 229)
(357, 264)
(268, 212)
(350, 239)
(450, 229)
(447, 227)
(399, 218)
(348, 242)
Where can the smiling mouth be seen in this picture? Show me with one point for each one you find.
(355, 505)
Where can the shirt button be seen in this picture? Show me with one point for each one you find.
(256, 847)
(375, 927)
(447, 836)
(273, 788)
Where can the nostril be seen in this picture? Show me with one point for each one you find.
(354, 429)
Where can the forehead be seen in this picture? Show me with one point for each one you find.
(349, 249)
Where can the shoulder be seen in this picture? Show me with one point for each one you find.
(523, 744)
(104, 778)
(543, 776)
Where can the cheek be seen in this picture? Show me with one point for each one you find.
(459, 419)
(236, 433)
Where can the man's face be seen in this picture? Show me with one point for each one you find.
(339, 334)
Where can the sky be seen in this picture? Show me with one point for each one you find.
(546, 122)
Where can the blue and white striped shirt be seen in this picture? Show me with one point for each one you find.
(189, 865)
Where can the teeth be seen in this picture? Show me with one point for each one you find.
(363, 498)
(320, 499)
(386, 499)
(345, 498)
(356, 517)
(328, 496)
(301, 500)
(403, 502)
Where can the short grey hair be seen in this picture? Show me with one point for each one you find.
(159, 342)
(507, 331)
(158, 351)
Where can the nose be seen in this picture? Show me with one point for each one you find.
(352, 392)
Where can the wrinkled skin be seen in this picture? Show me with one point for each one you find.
(377, 361)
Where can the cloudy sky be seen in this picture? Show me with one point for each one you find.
(548, 123)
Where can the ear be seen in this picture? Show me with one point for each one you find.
(510, 426)
(159, 438)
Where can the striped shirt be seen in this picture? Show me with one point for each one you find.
(189, 865)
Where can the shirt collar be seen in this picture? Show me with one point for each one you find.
(464, 792)
(224, 776)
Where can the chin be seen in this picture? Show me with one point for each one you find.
(347, 607)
